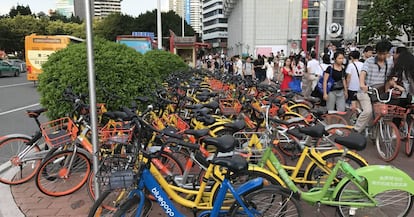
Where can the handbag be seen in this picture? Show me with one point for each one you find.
(295, 85)
(328, 85)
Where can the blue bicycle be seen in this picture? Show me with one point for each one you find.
(253, 198)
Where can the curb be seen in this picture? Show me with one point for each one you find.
(9, 207)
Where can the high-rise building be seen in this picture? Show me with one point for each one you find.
(177, 6)
(272, 25)
(101, 8)
(192, 12)
(65, 7)
(214, 24)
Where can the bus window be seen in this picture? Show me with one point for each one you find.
(38, 48)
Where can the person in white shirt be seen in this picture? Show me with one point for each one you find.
(239, 66)
(352, 70)
(314, 72)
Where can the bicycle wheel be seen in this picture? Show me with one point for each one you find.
(14, 169)
(100, 206)
(388, 140)
(410, 139)
(129, 208)
(317, 175)
(268, 201)
(63, 173)
(395, 203)
(333, 133)
(334, 119)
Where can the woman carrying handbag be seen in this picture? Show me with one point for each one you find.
(338, 93)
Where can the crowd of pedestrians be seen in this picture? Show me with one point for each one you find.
(339, 77)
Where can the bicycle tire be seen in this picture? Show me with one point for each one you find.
(52, 178)
(334, 119)
(18, 171)
(128, 209)
(268, 201)
(314, 172)
(388, 145)
(395, 203)
(107, 197)
(410, 140)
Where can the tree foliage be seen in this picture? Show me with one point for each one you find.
(388, 19)
(20, 10)
(119, 24)
(119, 70)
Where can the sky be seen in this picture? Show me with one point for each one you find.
(130, 7)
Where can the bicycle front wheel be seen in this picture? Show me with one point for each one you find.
(268, 201)
(388, 140)
(316, 176)
(393, 203)
(410, 140)
(14, 169)
(63, 173)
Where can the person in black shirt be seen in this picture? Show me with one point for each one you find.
(258, 68)
(338, 92)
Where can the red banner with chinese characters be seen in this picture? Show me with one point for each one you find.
(304, 31)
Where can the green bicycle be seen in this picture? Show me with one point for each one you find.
(374, 190)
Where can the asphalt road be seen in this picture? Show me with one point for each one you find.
(17, 95)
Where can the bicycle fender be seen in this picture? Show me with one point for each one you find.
(253, 167)
(15, 135)
(249, 186)
(381, 178)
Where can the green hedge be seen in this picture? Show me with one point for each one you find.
(119, 69)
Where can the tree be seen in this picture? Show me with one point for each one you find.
(19, 9)
(113, 25)
(170, 21)
(388, 19)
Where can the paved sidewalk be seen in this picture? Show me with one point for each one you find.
(34, 203)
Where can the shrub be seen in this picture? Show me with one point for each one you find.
(119, 70)
(163, 63)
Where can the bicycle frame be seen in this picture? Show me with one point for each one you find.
(149, 181)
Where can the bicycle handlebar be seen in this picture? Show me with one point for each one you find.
(371, 91)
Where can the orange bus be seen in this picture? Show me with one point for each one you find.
(38, 49)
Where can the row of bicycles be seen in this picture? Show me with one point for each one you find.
(217, 145)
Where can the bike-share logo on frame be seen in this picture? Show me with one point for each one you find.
(162, 202)
(390, 181)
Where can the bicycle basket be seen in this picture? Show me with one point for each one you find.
(177, 122)
(115, 172)
(389, 111)
(230, 106)
(115, 132)
(248, 145)
(59, 131)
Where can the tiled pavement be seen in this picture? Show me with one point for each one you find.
(33, 203)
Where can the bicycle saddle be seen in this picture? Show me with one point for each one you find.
(296, 133)
(234, 164)
(116, 115)
(197, 133)
(354, 141)
(316, 131)
(236, 125)
(35, 112)
(223, 144)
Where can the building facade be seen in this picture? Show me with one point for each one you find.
(263, 26)
(214, 24)
(65, 7)
(101, 8)
(192, 12)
